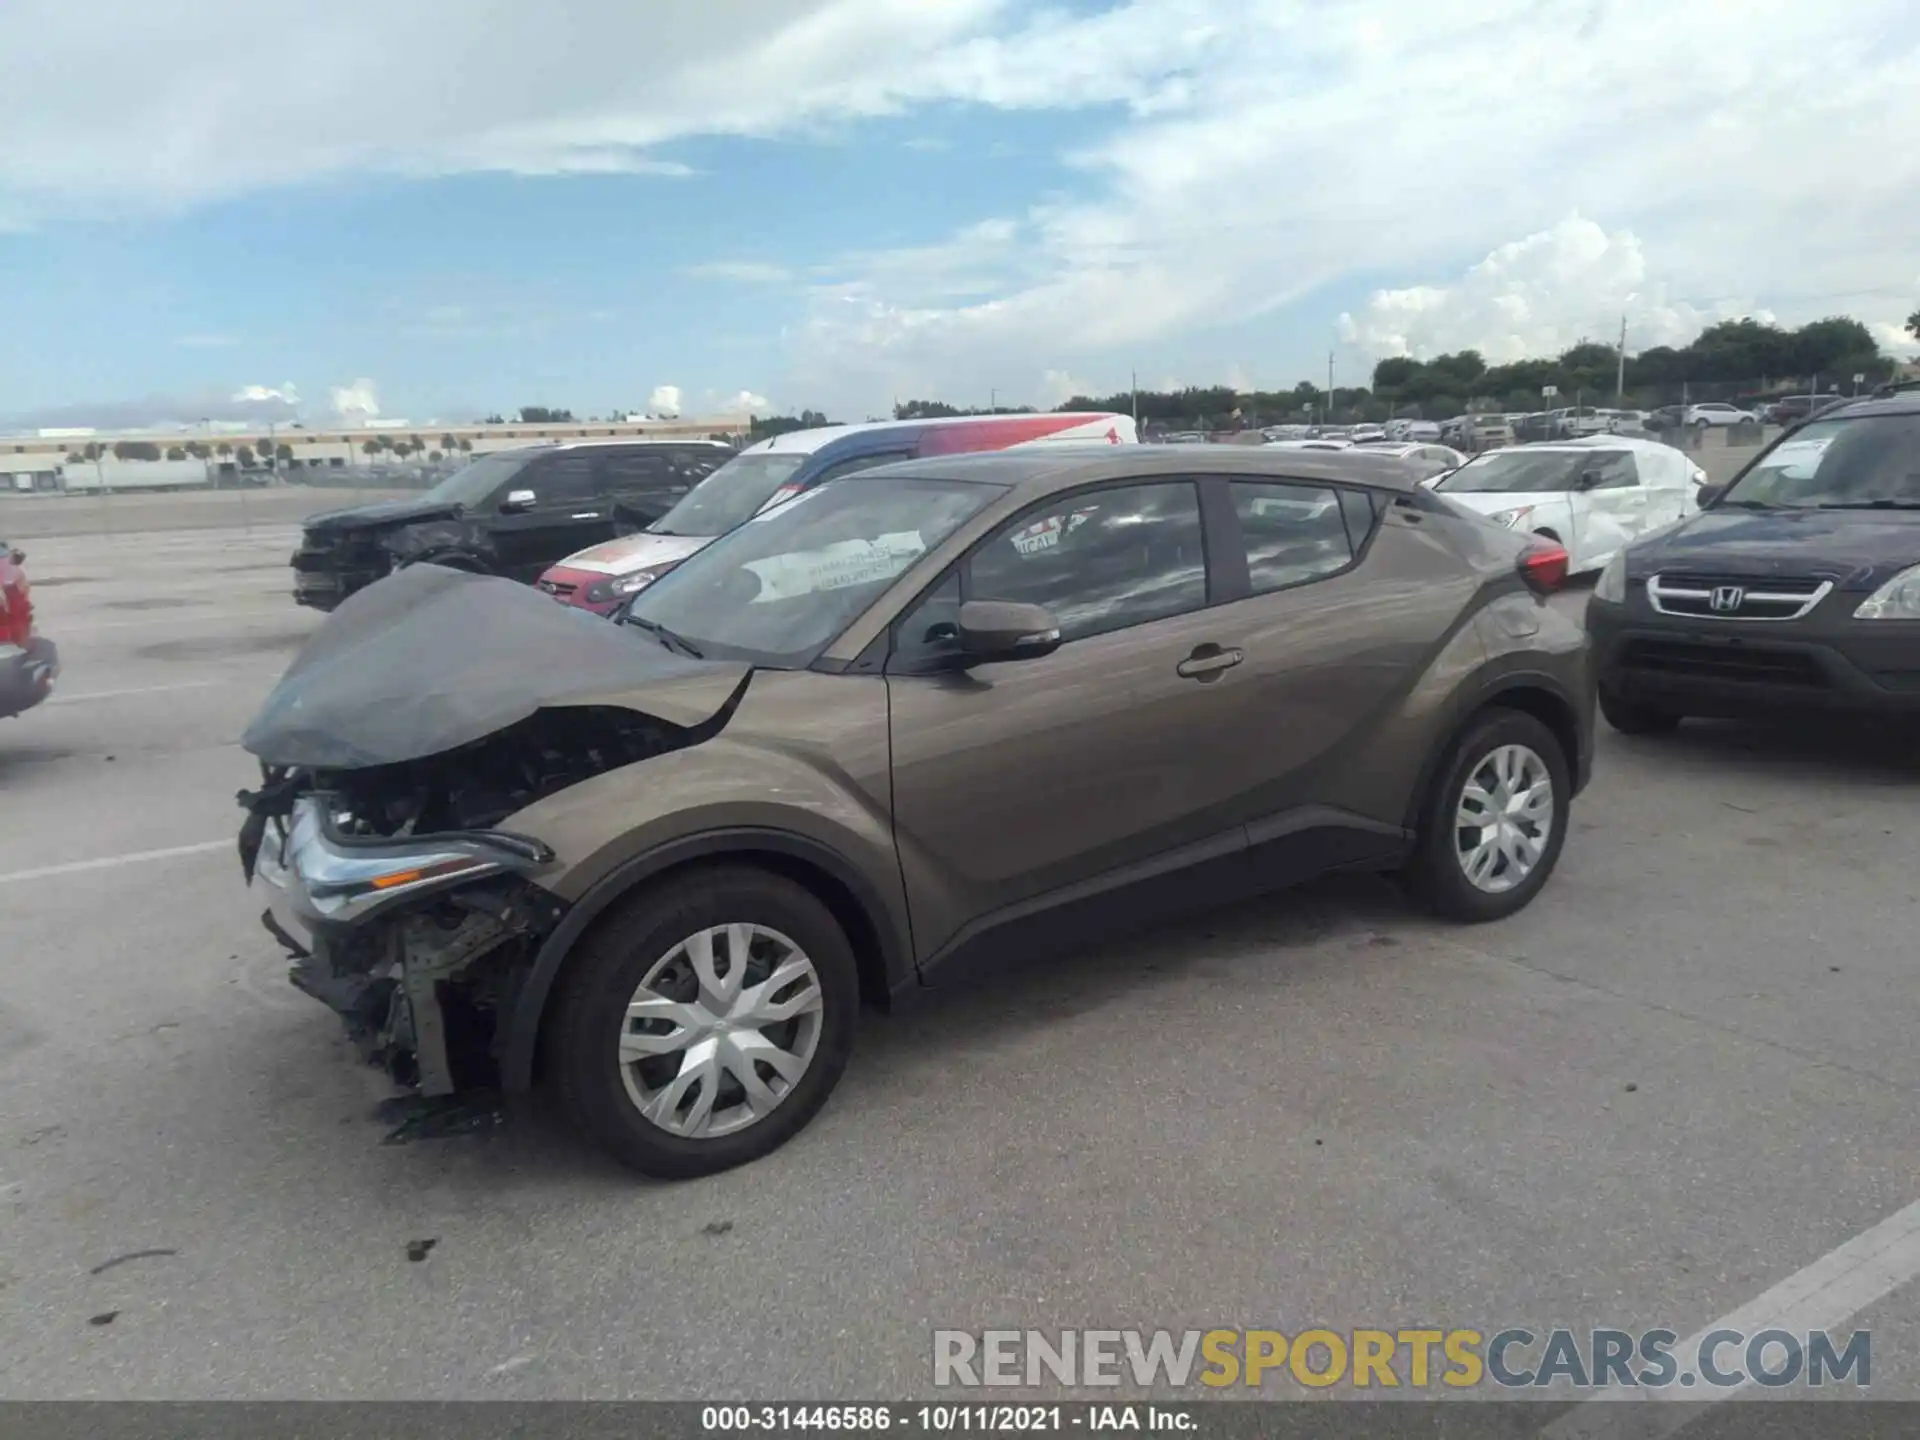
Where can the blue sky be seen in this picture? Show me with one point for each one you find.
(834, 203)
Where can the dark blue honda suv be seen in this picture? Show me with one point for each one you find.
(1796, 587)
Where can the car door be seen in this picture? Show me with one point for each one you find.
(1036, 797)
(638, 485)
(568, 513)
(1348, 597)
(1610, 510)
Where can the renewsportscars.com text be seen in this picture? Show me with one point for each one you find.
(1515, 1357)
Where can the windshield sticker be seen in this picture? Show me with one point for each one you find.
(835, 567)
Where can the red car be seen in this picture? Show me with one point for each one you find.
(28, 663)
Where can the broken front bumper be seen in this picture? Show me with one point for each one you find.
(378, 930)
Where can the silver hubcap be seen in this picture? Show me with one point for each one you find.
(1505, 819)
(721, 1030)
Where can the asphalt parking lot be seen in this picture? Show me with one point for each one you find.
(1683, 1075)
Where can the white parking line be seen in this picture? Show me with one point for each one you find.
(1826, 1293)
(138, 857)
(58, 699)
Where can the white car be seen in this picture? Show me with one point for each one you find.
(1593, 496)
(1433, 460)
(1713, 412)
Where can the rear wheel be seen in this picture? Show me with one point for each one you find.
(705, 1023)
(1632, 718)
(1495, 821)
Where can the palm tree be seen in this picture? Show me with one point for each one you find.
(223, 449)
(372, 447)
(466, 447)
(446, 443)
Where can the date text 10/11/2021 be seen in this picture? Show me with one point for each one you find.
(943, 1419)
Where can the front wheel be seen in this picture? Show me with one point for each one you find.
(1630, 718)
(1495, 821)
(705, 1023)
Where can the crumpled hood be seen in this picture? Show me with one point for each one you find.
(429, 659)
(1862, 546)
(635, 552)
(379, 516)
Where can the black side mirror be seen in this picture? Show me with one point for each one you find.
(1006, 630)
(1705, 495)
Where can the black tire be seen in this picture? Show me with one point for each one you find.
(1630, 718)
(582, 1037)
(1435, 876)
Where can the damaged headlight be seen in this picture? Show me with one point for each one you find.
(322, 874)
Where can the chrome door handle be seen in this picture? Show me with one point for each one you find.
(1207, 663)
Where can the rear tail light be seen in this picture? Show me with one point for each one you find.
(1544, 568)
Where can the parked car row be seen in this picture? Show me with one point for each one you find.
(963, 709)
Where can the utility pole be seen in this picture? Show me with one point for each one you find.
(1330, 385)
(993, 402)
(1136, 402)
(1620, 380)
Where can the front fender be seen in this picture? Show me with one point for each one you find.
(801, 770)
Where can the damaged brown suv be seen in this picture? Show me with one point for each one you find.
(934, 714)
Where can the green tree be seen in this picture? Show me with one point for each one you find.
(176, 452)
(542, 415)
(1913, 324)
(244, 455)
(370, 447)
(434, 457)
(283, 453)
(223, 449)
(466, 447)
(447, 442)
(196, 449)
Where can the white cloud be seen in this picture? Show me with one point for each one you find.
(744, 402)
(1704, 154)
(1536, 296)
(1247, 153)
(745, 272)
(266, 395)
(356, 402)
(1895, 338)
(665, 401)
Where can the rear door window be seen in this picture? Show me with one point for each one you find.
(1294, 533)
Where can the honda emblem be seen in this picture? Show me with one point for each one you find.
(1726, 599)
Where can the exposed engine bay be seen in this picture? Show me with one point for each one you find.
(429, 709)
(422, 983)
(477, 786)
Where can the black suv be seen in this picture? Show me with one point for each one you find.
(511, 513)
(1797, 587)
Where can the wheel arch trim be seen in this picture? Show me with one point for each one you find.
(1487, 695)
(523, 1020)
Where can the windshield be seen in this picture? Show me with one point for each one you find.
(473, 483)
(1870, 461)
(1516, 472)
(730, 496)
(778, 589)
